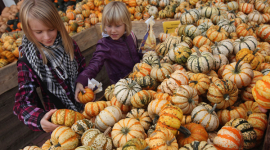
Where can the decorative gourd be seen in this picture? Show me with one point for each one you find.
(186, 119)
(217, 33)
(255, 16)
(220, 60)
(250, 107)
(260, 92)
(247, 92)
(108, 117)
(96, 139)
(142, 116)
(249, 135)
(246, 7)
(233, 5)
(222, 92)
(151, 60)
(225, 115)
(135, 144)
(163, 139)
(190, 16)
(244, 30)
(186, 98)
(208, 11)
(192, 31)
(160, 71)
(163, 96)
(141, 69)
(81, 126)
(93, 108)
(221, 15)
(191, 132)
(228, 138)
(199, 41)
(64, 137)
(200, 82)
(86, 97)
(141, 99)
(66, 117)
(31, 148)
(204, 20)
(124, 108)
(7, 55)
(147, 82)
(250, 57)
(122, 131)
(206, 117)
(239, 73)
(109, 92)
(196, 145)
(178, 67)
(200, 62)
(47, 145)
(259, 123)
(204, 26)
(155, 107)
(172, 41)
(248, 42)
(170, 117)
(227, 25)
(161, 49)
(176, 79)
(125, 89)
(85, 148)
(263, 32)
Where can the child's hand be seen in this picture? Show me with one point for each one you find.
(46, 125)
(79, 87)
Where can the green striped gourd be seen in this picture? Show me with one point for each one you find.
(190, 16)
(147, 82)
(203, 27)
(227, 25)
(141, 99)
(224, 47)
(125, 89)
(248, 42)
(192, 31)
(81, 126)
(208, 11)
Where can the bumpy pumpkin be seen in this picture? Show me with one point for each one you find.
(135, 144)
(81, 126)
(147, 82)
(66, 117)
(249, 135)
(222, 92)
(250, 57)
(96, 139)
(186, 98)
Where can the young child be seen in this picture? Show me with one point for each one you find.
(117, 49)
(50, 60)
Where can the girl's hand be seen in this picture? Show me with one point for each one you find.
(79, 87)
(46, 125)
(262, 109)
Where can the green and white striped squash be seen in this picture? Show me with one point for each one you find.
(220, 16)
(204, 27)
(161, 49)
(141, 99)
(147, 82)
(224, 47)
(160, 71)
(172, 41)
(150, 54)
(227, 25)
(96, 139)
(265, 71)
(151, 60)
(231, 15)
(233, 5)
(109, 92)
(84, 148)
(198, 145)
(186, 40)
(220, 60)
(244, 18)
(141, 115)
(182, 55)
(125, 89)
(192, 31)
(171, 52)
(221, 6)
(200, 62)
(81, 126)
(208, 11)
(203, 20)
(190, 17)
(108, 117)
(249, 42)
(249, 134)
(255, 16)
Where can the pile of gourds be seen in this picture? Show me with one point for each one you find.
(9, 19)
(200, 88)
(9, 44)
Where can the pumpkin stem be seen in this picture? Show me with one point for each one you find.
(186, 10)
(58, 145)
(146, 148)
(249, 28)
(236, 70)
(185, 131)
(232, 22)
(213, 109)
(106, 132)
(132, 84)
(249, 112)
(226, 97)
(193, 81)
(196, 145)
(216, 43)
(254, 52)
(125, 130)
(137, 68)
(82, 92)
(219, 29)
(159, 63)
(170, 142)
(167, 76)
(198, 52)
(155, 119)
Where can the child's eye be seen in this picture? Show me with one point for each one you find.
(38, 32)
(51, 29)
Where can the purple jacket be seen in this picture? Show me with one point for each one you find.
(115, 54)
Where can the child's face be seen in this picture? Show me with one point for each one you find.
(42, 33)
(115, 31)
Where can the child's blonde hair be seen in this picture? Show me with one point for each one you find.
(114, 13)
(45, 12)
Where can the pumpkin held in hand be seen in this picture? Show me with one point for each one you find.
(86, 97)
(66, 117)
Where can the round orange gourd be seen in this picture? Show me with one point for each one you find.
(259, 123)
(94, 108)
(247, 92)
(66, 117)
(200, 82)
(86, 97)
(162, 139)
(225, 115)
(64, 137)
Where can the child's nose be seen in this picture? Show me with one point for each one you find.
(46, 36)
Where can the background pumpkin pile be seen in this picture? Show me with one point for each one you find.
(201, 87)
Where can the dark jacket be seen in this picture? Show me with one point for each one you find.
(119, 57)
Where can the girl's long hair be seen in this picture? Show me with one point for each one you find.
(45, 12)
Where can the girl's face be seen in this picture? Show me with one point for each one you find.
(115, 31)
(42, 33)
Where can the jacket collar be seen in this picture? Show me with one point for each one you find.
(107, 36)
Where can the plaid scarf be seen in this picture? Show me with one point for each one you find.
(61, 64)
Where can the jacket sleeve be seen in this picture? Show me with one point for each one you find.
(95, 65)
(79, 58)
(26, 105)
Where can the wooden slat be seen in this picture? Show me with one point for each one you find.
(8, 77)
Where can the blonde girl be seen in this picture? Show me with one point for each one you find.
(49, 59)
(117, 49)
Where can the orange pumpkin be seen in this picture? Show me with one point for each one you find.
(71, 15)
(86, 97)
(94, 108)
(261, 92)
(15, 52)
(66, 117)
(132, 3)
(259, 123)
(8, 56)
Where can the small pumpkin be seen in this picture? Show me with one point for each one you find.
(155, 107)
(141, 99)
(135, 144)
(247, 92)
(217, 33)
(96, 139)
(250, 107)
(109, 92)
(248, 42)
(142, 116)
(250, 57)
(202, 145)
(86, 97)
(64, 137)
(225, 115)
(66, 117)
(159, 71)
(259, 123)
(200, 82)
(81, 126)
(93, 108)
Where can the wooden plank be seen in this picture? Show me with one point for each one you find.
(8, 77)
